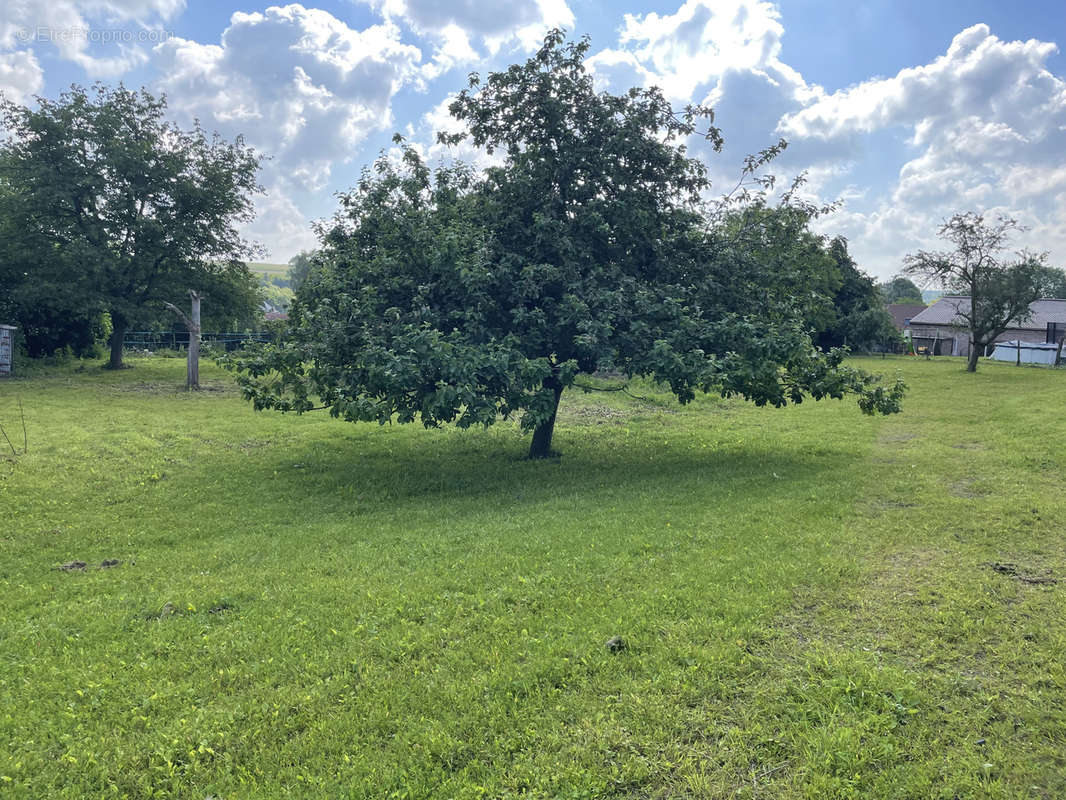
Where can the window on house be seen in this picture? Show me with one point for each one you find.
(1055, 330)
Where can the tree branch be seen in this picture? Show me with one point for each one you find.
(180, 313)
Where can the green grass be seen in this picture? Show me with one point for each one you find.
(270, 270)
(807, 595)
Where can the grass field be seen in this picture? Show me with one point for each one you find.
(270, 270)
(816, 604)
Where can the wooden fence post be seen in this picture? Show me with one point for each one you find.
(192, 368)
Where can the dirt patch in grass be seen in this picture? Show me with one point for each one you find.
(896, 437)
(904, 569)
(886, 505)
(81, 566)
(246, 445)
(895, 578)
(170, 388)
(1023, 573)
(593, 415)
(965, 488)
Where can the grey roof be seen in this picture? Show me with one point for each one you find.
(945, 312)
(903, 313)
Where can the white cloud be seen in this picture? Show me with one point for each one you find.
(20, 75)
(280, 226)
(458, 28)
(725, 54)
(453, 48)
(303, 88)
(104, 37)
(423, 138)
(301, 85)
(683, 51)
(988, 123)
(981, 127)
(980, 76)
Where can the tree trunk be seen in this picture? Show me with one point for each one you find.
(118, 341)
(541, 446)
(1058, 353)
(192, 324)
(971, 362)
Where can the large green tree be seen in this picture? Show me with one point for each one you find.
(900, 289)
(860, 320)
(809, 276)
(1053, 281)
(999, 291)
(112, 204)
(451, 295)
(49, 317)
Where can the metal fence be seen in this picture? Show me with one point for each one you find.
(179, 340)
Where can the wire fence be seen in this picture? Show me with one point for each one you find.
(179, 340)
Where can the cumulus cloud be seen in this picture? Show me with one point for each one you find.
(985, 127)
(300, 84)
(690, 48)
(980, 77)
(724, 54)
(104, 37)
(458, 28)
(302, 87)
(279, 225)
(20, 75)
(422, 136)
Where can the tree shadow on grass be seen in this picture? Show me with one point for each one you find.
(421, 468)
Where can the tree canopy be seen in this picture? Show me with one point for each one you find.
(300, 267)
(111, 207)
(1000, 291)
(859, 319)
(1052, 280)
(451, 295)
(900, 289)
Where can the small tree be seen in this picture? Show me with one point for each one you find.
(999, 292)
(128, 208)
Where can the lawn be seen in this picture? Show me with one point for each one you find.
(269, 270)
(816, 604)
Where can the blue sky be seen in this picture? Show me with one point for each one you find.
(905, 111)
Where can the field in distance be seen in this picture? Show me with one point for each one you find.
(270, 270)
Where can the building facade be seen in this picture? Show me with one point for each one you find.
(940, 331)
